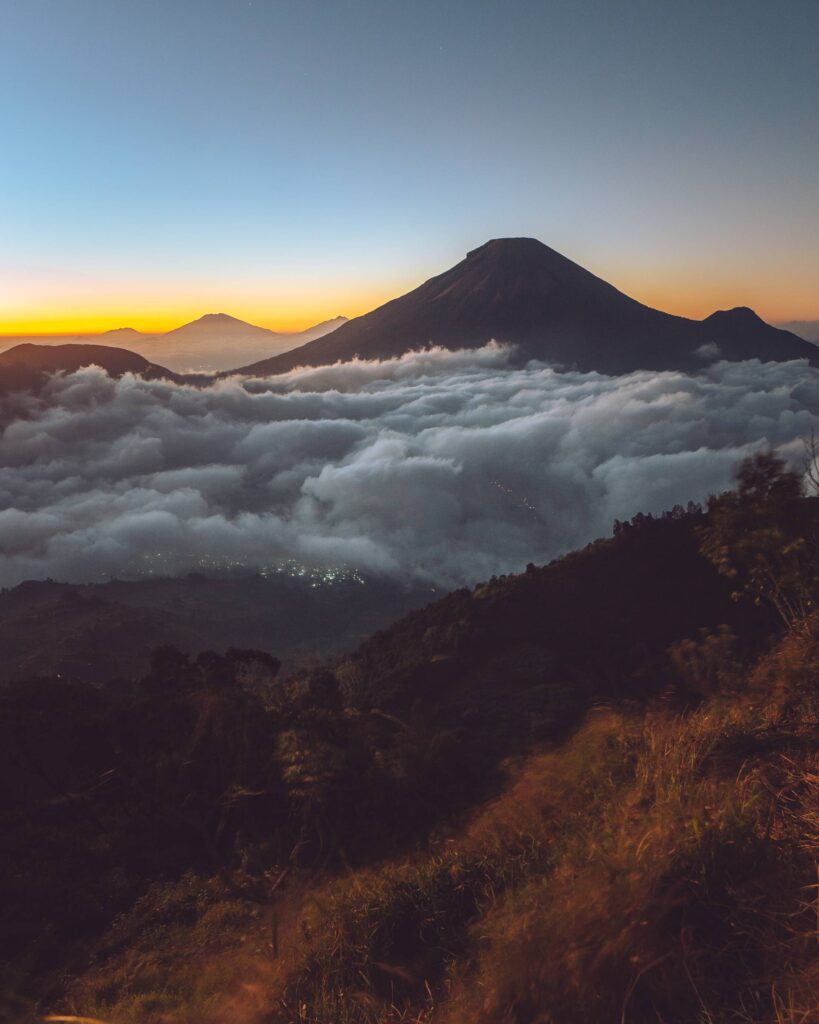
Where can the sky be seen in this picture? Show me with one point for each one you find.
(288, 161)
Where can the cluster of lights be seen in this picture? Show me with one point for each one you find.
(521, 500)
(317, 577)
(154, 564)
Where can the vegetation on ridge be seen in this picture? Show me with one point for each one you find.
(587, 793)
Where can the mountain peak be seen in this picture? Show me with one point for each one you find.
(520, 292)
(223, 324)
(218, 318)
(740, 315)
(500, 247)
(525, 268)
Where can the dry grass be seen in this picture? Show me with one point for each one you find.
(183, 951)
(656, 867)
(691, 898)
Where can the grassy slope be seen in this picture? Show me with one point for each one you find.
(656, 866)
(598, 842)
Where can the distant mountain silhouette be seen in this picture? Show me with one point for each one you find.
(518, 290)
(321, 329)
(25, 367)
(221, 325)
(217, 341)
(121, 333)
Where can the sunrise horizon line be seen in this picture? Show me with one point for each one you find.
(82, 328)
(679, 295)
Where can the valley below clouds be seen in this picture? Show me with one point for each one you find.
(439, 466)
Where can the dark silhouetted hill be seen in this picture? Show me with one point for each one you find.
(534, 647)
(584, 793)
(740, 334)
(25, 367)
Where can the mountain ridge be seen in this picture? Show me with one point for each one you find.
(25, 367)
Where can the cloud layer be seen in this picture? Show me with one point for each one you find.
(447, 466)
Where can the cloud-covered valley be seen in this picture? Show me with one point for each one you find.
(445, 466)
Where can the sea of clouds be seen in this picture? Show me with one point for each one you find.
(441, 466)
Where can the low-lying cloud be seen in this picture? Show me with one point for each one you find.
(446, 466)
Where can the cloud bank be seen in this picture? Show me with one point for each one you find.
(443, 466)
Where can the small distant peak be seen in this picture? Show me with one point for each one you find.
(332, 320)
(737, 315)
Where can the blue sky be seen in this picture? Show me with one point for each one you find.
(287, 161)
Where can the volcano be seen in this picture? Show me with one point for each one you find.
(521, 292)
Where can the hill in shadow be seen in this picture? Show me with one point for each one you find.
(586, 792)
(27, 367)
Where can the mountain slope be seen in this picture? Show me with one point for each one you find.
(520, 291)
(25, 367)
(319, 330)
(576, 620)
(807, 329)
(166, 836)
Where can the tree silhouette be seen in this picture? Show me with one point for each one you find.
(756, 536)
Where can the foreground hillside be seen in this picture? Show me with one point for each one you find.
(587, 793)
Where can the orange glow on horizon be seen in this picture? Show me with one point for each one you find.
(91, 324)
(50, 309)
(699, 292)
(65, 303)
(23, 324)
